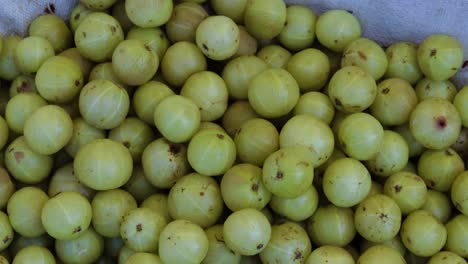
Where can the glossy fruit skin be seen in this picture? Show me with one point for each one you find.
(351, 89)
(439, 168)
(403, 62)
(316, 104)
(134, 62)
(31, 52)
(54, 29)
(103, 164)
(109, 207)
(311, 68)
(331, 225)
(408, 190)
(439, 205)
(265, 19)
(97, 36)
(85, 249)
(7, 233)
(361, 136)
(83, 133)
(346, 182)
(211, 152)
(196, 198)
(299, 208)
(218, 252)
(378, 218)
(253, 237)
(457, 235)
(275, 56)
(64, 180)
(242, 187)
(273, 93)
(66, 216)
(144, 258)
(422, 234)
(335, 29)
(330, 254)
(140, 229)
(394, 102)
(381, 254)
(103, 104)
(184, 21)
(435, 119)
(446, 257)
(288, 172)
(299, 33)
(458, 194)
(427, 88)
(368, 55)
(182, 241)
(308, 131)
(48, 129)
(459, 102)
(8, 69)
(142, 12)
(155, 38)
(289, 243)
(393, 156)
(34, 252)
(440, 56)
(24, 211)
(218, 37)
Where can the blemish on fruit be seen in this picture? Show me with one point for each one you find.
(448, 152)
(433, 52)
(397, 188)
(255, 187)
(77, 16)
(297, 255)
(139, 228)
(175, 148)
(259, 246)
(126, 144)
(362, 55)
(113, 29)
(77, 230)
(385, 91)
(147, 47)
(77, 83)
(279, 175)
(220, 136)
(338, 102)
(205, 47)
(202, 193)
(440, 122)
(24, 87)
(19, 156)
(6, 239)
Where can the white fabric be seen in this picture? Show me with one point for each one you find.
(385, 21)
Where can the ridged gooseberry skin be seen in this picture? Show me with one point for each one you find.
(403, 62)
(289, 243)
(316, 104)
(457, 235)
(85, 249)
(8, 69)
(335, 29)
(97, 36)
(351, 89)
(299, 208)
(149, 13)
(134, 62)
(242, 187)
(218, 37)
(247, 231)
(67, 215)
(103, 104)
(361, 136)
(460, 103)
(381, 254)
(31, 52)
(48, 129)
(24, 164)
(144, 258)
(330, 254)
(209, 92)
(103, 164)
(177, 118)
(98, 5)
(184, 21)
(346, 182)
(311, 68)
(368, 55)
(265, 19)
(273, 93)
(59, 79)
(288, 172)
(218, 252)
(394, 101)
(53, 28)
(313, 133)
(37, 253)
(440, 56)
(435, 123)
(446, 257)
(299, 33)
(155, 38)
(407, 189)
(458, 193)
(211, 152)
(422, 234)
(24, 211)
(378, 218)
(182, 241)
